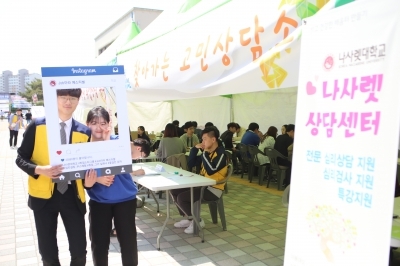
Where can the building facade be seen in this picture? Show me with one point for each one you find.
(10, 83)
(143, 15)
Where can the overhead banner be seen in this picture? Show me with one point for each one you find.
(242, 46)
(345, 149)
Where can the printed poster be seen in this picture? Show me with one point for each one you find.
(108, 157)
(345, 148)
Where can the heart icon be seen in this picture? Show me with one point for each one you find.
(59, 152)
(62, 160)
(310, 88)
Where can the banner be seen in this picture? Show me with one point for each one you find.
(345, 148)
(242, 46)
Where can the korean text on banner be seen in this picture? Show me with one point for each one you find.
(345, 150)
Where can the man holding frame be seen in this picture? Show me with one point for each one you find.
(48, 199)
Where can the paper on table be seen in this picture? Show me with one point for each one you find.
(147, 171)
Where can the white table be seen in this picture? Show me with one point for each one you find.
(169, 180)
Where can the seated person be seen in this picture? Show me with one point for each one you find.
(170, 144)
(227, 139)
(189, 138)
(268, 141)
(213, 166)
(239, 133)
(282, 144)
(197, 131)
(142, 133)
(251, 136)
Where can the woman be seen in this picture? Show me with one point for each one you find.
(170, 144)
(113, 197)
(15, 123)
(268, 141)
(283, 129)
(142, 133)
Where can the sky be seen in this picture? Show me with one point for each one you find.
(47, 33)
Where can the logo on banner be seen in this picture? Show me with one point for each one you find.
(362, 56)
(329, 63)
(83, 70)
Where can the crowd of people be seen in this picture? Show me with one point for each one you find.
(112, 198)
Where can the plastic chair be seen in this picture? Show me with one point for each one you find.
(246, 162)
(178, 160)
(253, 150)
(274, 166)
(228, 155)
(215, 207)
(285, 196)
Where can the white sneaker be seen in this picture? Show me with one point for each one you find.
(182, 224)
(190, 230)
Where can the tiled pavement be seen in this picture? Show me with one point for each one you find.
(255, 217)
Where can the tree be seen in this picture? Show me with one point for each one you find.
(32, 88)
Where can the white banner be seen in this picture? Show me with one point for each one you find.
(243, 46)
(345, 150)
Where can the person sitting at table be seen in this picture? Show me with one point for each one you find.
(227, 139)
(113, 197)
(189, 138)
(268, 141)
(197, 131)
(170, 144)
(251, 136)
(213, 166)
(282, 143)
(239, 133)
(142, 134)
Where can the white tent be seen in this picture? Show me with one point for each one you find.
(260, 77)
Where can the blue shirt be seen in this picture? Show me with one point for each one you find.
(123, 189)
(250, 138)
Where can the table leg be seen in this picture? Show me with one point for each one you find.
(194, 216)
(165, 223)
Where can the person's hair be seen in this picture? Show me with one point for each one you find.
(194, 123)
(289, 128)
(115, 114)
(19, 109)
(188, 125)
(231, 125)
(253, 126)
(175, 123)
(237, 126)
(285, 126)
(170, 131)
(141, 128)
(96, 113)
(144, 146)
(272, 131)
(212, 132)
(70, 92)
(208, 124)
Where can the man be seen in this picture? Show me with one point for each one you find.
(15, 122)
(282, 143)
(251, 136)
(239, 133)
(179, 130)
(48, 199)
(227, 139)
(189, 138)
(213, 166)
(28, 117)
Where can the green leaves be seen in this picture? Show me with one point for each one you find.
(306, 9)
(34, 87)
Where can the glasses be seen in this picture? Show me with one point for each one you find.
(65, 99)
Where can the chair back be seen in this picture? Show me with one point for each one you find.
(273, 158)
(253, 150)
(228, 155)
(177, 160)
(243, 149)
(228, 174)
